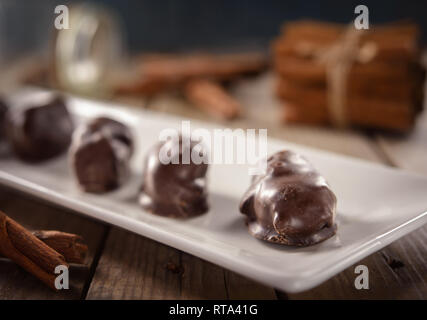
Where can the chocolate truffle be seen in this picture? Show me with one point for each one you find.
(3, 111)
(100, 155)
(176, 189)
(40, 132)
(290, 204)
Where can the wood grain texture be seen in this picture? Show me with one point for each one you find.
(201, 279)
(15, 283)
(241, 288)
(399, 271)
(134, 267)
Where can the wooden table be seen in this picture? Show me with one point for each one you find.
(122, 265)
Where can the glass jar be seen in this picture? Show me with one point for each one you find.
(89, 51)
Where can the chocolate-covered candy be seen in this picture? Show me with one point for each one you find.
(3, 111)
(174, 190)
(100, 155)
(40, 132)
(290, 204)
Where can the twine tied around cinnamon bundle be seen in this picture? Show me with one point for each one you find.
(338, 60)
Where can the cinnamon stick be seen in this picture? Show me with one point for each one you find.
(212, 98)
(144, 86)
(394, 41)
(158, 73)
(387, 90)
(186, 67)
(26, 250)
(70, 245)
(311, 71)
(374, 113)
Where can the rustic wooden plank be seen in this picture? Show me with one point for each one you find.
(201, 279)
(16, 283)
(396, 272)
(242, 288)
(146, 269)
(134, 267)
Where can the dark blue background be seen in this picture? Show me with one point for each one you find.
(161, 25)
(177, 24)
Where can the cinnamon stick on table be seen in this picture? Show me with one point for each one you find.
(26, 250)
(212, 98)
(70, 245)
(180, 68)
(157, 73)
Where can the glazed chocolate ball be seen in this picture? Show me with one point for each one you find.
(100, 155)
(177, 189)
(40, 132)
(290, 204)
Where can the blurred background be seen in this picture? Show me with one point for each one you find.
(165, 25)
(242, 63)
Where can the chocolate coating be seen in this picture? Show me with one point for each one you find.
(174, 190)
(38, 133)
(100, 155)
(290, 204)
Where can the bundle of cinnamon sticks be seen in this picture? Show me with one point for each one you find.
(199, 77)
(376, 72)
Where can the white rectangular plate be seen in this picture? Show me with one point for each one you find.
(376, 205)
